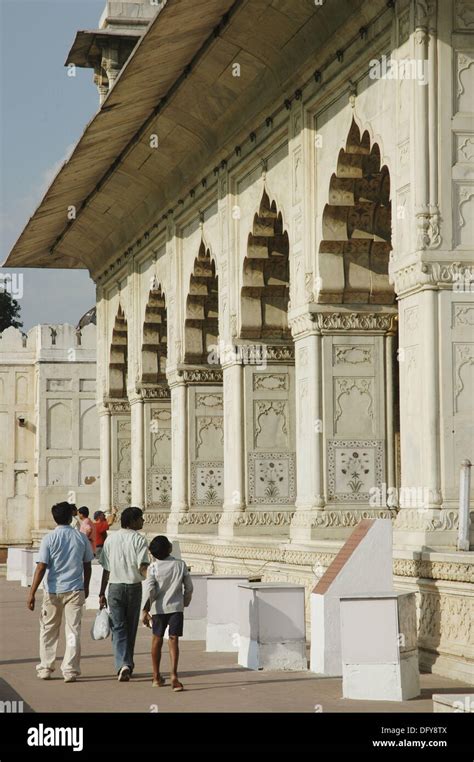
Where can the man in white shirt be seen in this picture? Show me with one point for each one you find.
(125, 561)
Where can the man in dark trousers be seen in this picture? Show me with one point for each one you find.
(125, 560)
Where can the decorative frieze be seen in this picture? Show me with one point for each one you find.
(155, 517)
(424, 519)
(257, 518)
(200, 518)
(336, 519)
(416, 569)
(425, 569)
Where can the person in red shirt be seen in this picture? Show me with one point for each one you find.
(87, 527)
(102, 523)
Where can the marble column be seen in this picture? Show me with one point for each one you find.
(309, 426)
(234, 446)
(105, 460)
(179, 448)
(137, 452)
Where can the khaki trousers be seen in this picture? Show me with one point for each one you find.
(52, 609)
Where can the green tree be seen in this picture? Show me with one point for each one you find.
(9, 311)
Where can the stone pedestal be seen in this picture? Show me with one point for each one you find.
(14, 564)
(195, 615)
(92, 602)
(363, 565)
(379, 647)
(28, 565)
(272, 626)
(222, 631)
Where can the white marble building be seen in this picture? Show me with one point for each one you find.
(275, 200)
(49, 428)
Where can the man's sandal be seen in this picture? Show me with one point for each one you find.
(177, 686)
(158, 683)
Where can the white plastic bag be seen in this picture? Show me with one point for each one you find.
(101, 627)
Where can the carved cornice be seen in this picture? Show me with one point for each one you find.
(200, 375)
(279, 353)
(329, 322)
(154, 392)
(419, 274)
(116, 405)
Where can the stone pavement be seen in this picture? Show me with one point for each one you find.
(214, 682)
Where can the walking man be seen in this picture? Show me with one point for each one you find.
(66, 556)
(125, 560)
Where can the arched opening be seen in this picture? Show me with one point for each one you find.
(355, 250)
(202, 310)
(265, 282)
(155, 341)
(118, 357)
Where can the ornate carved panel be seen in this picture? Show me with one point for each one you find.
(158, 487)
(464, 15)
(352, 354)
(270, 423)
(354, 406)
(354, 467)
(207, 483)
(463, 315)
(270, 382)
(464, 85)
(271, 478)
(209, 436)
(122, 492)
(463, 377)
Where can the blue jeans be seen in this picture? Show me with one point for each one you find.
(124, 609)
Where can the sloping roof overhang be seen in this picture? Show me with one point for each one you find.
(177, 84)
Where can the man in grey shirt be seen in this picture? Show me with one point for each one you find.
(124, 559)
(169, 589)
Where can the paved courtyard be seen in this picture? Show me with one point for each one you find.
(214, 682)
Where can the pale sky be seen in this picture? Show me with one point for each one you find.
(43, 113)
